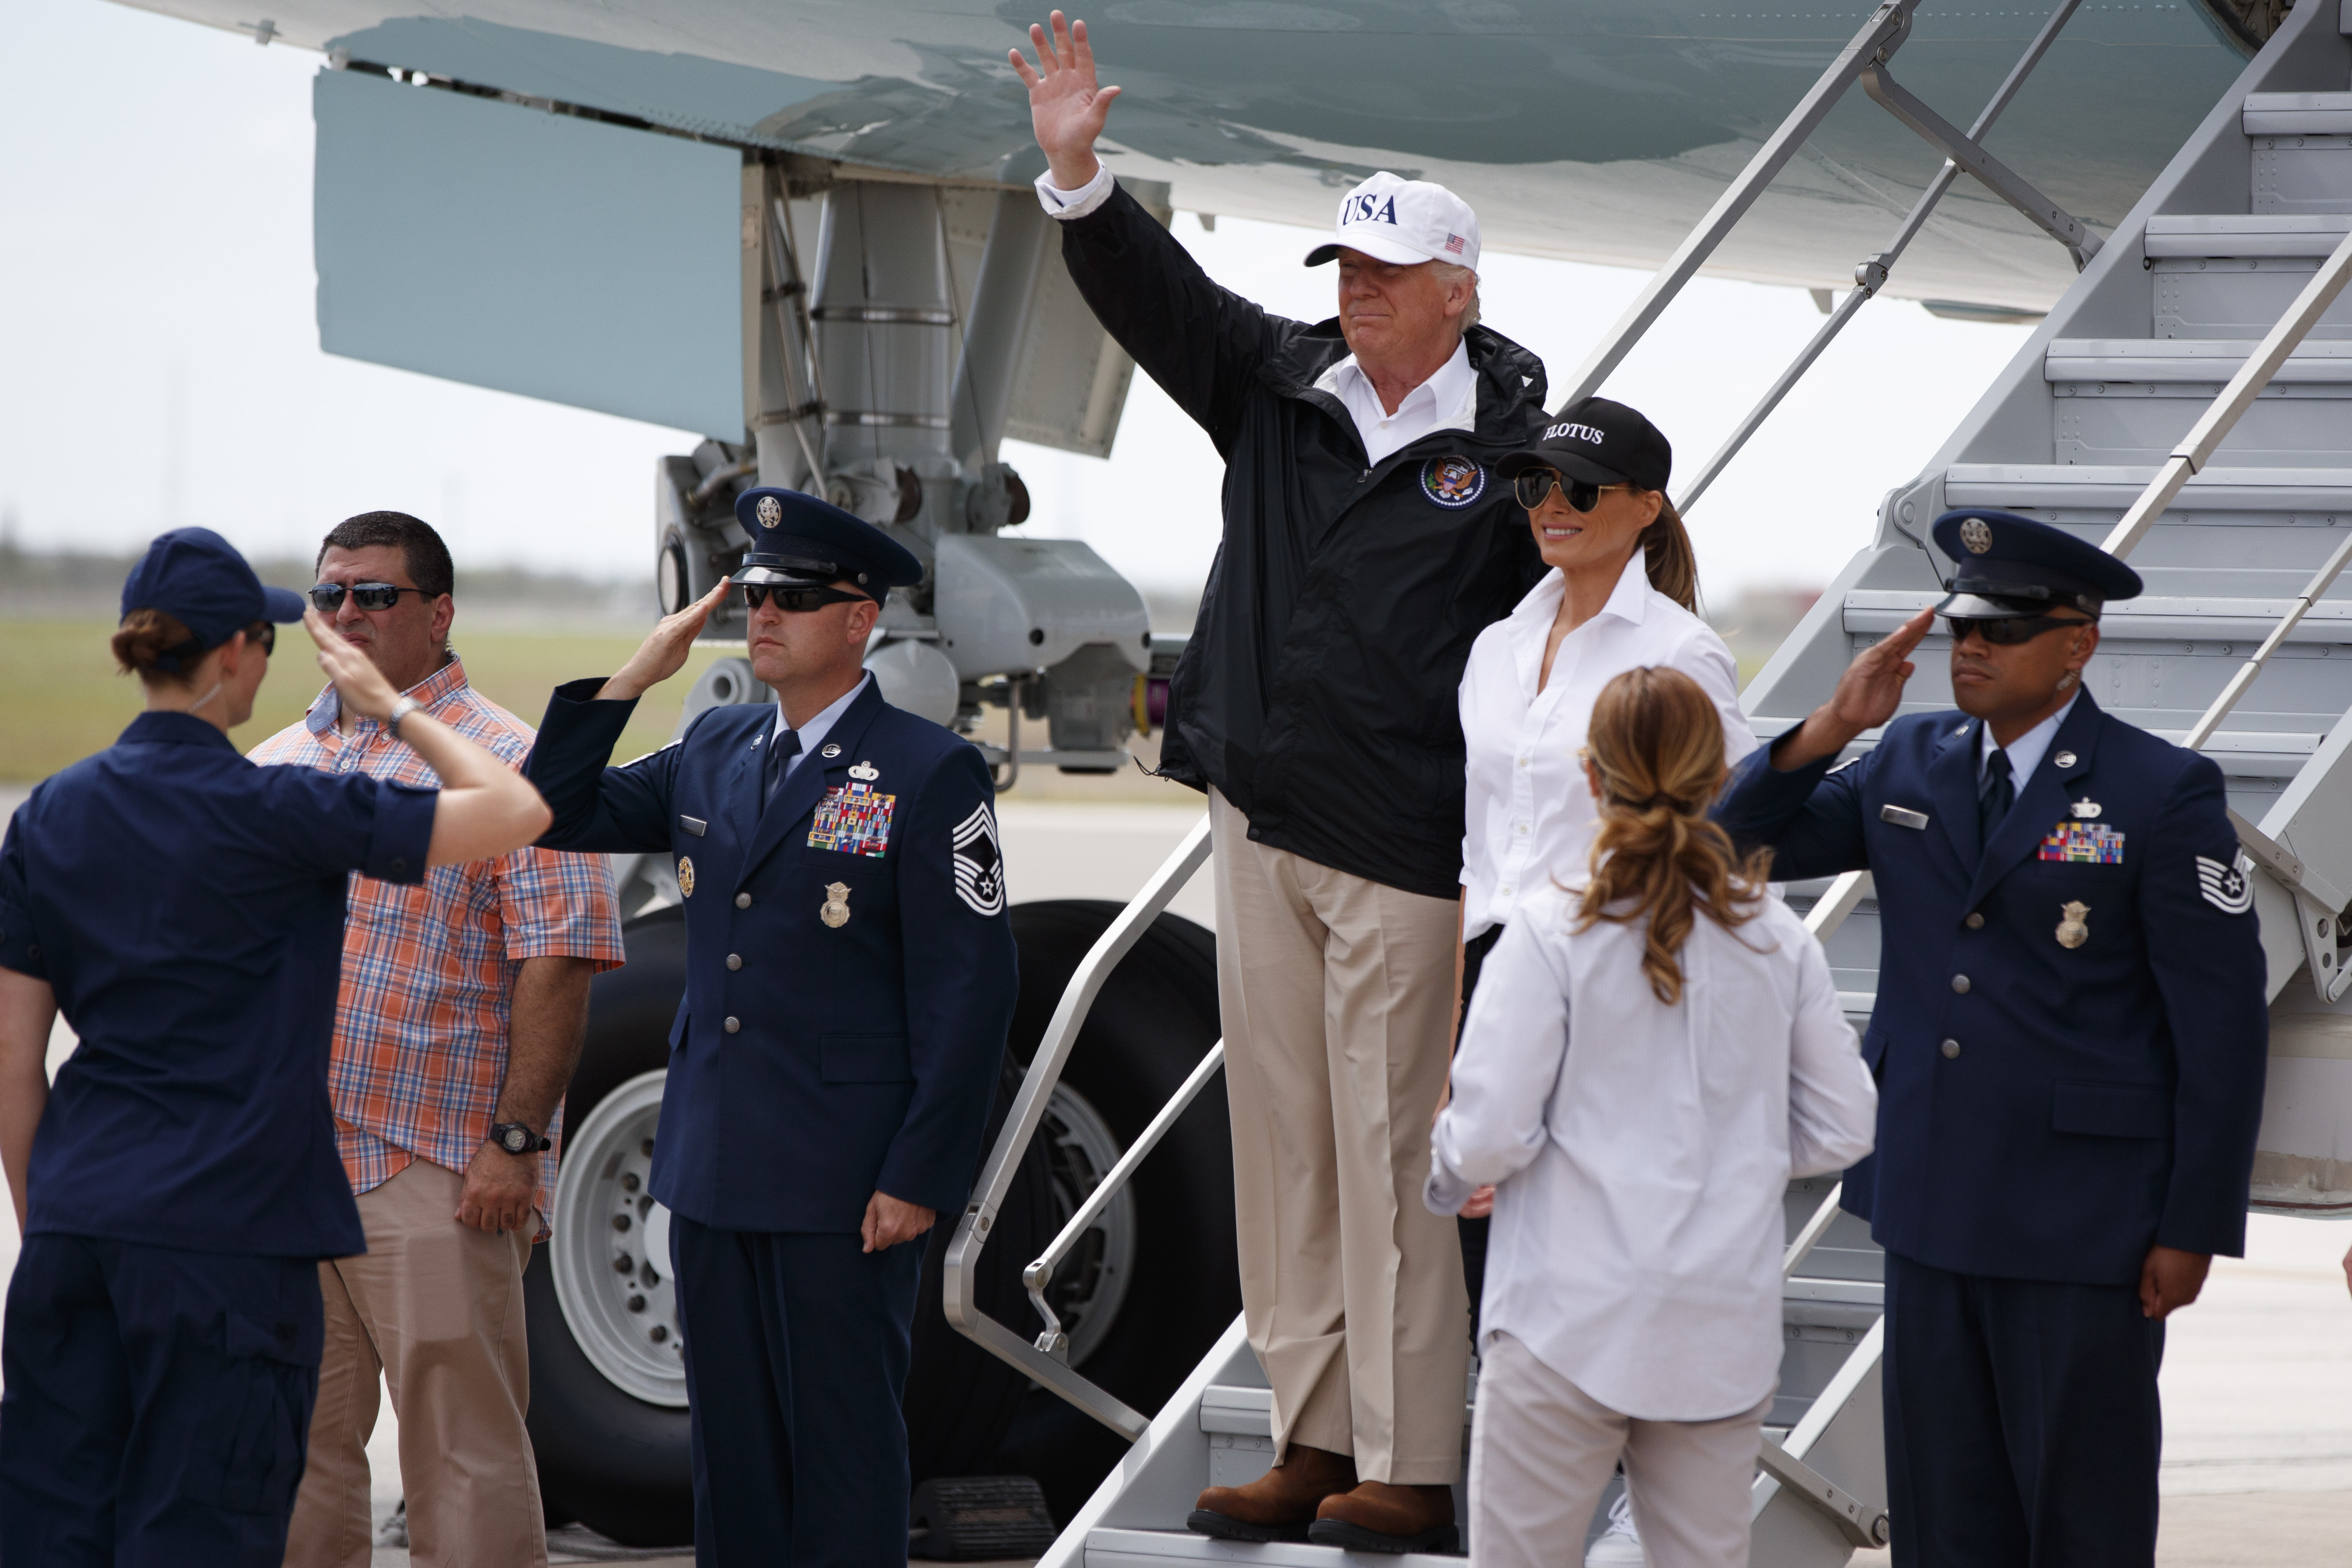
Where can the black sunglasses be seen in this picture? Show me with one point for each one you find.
(2010, 630)
(261, 634)
(329, 596)
(1534, 483)
(797, 598)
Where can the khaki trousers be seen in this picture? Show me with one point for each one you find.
(1542, 1451)
(436, 1308)
(1338, 996)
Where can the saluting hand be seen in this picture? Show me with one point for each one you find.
(360, 686)
(1066, 110)
(663, 653)
(1867, 696)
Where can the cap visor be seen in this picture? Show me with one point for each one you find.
(1977, 607)
(281, 604)
(776, 574)
(1373, 246)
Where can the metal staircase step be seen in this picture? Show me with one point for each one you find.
(2244, 235)
(1110, 1547)
(2199, 362)
(2297, 114)
(2301, 494)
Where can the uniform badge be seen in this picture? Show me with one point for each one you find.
(1452, 482)
(866, 770)
(2083, 843)
(836, 913)
(2064, 760)
(769, 511)
(2086, 808)
(2072, 932)
(831, 748)
(852, 819)
(980, 863)
(1975, 533)
(2228, 888)
(685, 876)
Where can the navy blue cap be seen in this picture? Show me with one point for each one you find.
(199, 579)
(796, 538)
(2005, 566)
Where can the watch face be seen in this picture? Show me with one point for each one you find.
(514, 1140)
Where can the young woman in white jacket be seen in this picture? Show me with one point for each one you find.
(1647, 1063)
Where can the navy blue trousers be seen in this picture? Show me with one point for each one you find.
(157, 1404)
(796, 1352)
(2022, 1424)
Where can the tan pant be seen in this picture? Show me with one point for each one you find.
(436, 1308)
(1542, 1451)
(1338, 996)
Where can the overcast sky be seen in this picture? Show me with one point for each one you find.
(159, 358)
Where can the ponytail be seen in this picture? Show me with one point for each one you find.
(1656, 742)
(1668, 558)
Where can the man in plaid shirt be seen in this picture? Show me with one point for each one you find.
(463, 1005)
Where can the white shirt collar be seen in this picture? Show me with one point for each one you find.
(2025, 753)
(1448, 400)
(814, 732)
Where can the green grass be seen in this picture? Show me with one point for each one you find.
(60, 699)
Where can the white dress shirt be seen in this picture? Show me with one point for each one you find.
(1446, 401)
(1529, 818)
(2026, 752)
(814, 732)
(1640, 1151)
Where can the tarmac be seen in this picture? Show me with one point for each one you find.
(2257, 1379)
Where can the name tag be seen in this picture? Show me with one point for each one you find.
(694, 825)
(1903, 816)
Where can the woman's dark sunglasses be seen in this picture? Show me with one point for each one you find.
(261, 634)
(329, 596)
(1534, 483)
(797, 598)
(2010, 631)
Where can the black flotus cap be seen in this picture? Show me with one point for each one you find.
(1601, 442)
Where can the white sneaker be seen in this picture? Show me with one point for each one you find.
(1619, 1546)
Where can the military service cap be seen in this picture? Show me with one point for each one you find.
(796, 538)
(2005, 566)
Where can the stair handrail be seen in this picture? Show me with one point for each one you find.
(1041, 1362)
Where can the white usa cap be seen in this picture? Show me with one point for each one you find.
(1404, 221)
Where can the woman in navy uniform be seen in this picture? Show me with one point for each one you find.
(849, 985)
(177, 1187)
(2069, 1041)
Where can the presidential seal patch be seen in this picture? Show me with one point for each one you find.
(2228, 888)
(1452, 482)
(852, 819)
(980, 863)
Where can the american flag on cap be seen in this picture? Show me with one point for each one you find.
(1454, 243)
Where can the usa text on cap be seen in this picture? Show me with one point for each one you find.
(2005, 566)
(796, 538)
(1404, 221)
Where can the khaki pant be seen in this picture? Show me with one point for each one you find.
(436, 1308)
(1338, 996)
(1542, 1451)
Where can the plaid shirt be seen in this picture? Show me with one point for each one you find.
(420, 1051)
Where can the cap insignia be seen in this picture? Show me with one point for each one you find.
(771, 512)
(1975, 533)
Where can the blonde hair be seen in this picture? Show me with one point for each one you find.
(1657, 743)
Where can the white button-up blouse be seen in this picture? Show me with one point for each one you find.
(1642, 1150)
(1529, 818)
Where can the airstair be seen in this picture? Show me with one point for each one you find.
(2188, 403)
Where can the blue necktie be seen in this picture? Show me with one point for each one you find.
(1995, 795)
(780, 750)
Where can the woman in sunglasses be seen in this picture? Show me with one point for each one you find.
(1620, 595)
(184, 909)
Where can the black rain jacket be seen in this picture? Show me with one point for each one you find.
(1319, 691)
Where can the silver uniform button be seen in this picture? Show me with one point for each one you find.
(742, 901)
(1961, 984)
(732, 1025)
(1951, 1047)
(1975, 922)
(734, 960)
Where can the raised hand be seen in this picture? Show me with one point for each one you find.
(663, 653)
(1867, 696)
(1066, 110)
(360, 686)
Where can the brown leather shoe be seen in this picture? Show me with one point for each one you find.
(1378, 1517)
(1280, 1504)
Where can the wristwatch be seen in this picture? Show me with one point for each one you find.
(517, 1138)
(401, 708)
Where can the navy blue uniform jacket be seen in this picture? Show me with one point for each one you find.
(810, 1064)
(2092, 1101)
